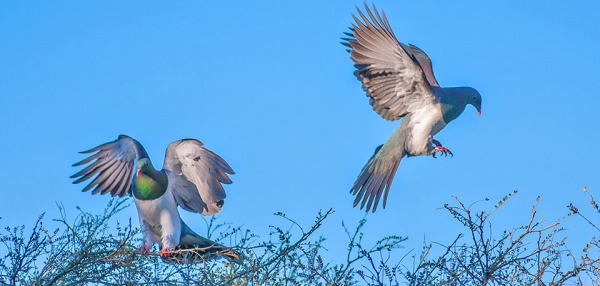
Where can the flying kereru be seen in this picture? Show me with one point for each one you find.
(399, 81)
(191, 178)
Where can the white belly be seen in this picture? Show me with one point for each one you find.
(425, 123)
(159, 220)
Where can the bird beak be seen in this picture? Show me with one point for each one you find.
(478, 112)
(137, 173)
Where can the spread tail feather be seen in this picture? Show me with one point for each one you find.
(375, 179)
(194, 248)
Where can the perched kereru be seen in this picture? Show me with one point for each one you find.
(191, 178)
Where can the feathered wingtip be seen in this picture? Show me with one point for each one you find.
(347, 39)
(189, 254)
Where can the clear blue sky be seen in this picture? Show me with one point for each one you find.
(268, 87)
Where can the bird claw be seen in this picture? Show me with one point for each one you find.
(165, 252)
(439, 148)
(445, 151)
(143, 249)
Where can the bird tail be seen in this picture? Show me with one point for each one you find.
(376, 177)
(194, 248)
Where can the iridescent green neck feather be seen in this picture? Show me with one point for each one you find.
(149, 184)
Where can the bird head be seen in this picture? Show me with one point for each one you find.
(142, 166)
(474, 98)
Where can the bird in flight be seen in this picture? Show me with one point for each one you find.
(191, 177)
(399, 81)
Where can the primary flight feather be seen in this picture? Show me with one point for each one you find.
(399, 81)
(191, 177)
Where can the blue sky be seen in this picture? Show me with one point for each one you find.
(269, 88)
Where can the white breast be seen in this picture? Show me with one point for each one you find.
(425, 122)
(160, 217)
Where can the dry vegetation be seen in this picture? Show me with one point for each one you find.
(89, 251)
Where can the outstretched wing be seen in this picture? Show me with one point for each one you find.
(390, 72)
(424, 62)
(112, 164)
(195, 176)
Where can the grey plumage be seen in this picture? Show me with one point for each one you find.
(114, 164)
(204, 169)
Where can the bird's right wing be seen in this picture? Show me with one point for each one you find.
(113, 163)
(424, 61)
(196, 176)
(390, 72)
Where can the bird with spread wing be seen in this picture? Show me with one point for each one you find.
(191, 178)
(399, 81)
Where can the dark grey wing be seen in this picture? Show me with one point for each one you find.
(424, 62)
(112, 164)
(391, 76)
(196, 176)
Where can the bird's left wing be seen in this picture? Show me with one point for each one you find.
(392, 74)
(113, 163)
(195, 176)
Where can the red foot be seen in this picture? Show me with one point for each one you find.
(144, 249)
(165, 252)
(439, 148)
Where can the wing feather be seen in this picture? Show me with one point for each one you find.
(111, 166)
(424, 62)
(92, 169)
(103, 174)
(395, 76)
(196, 176)
(109, 183)
(121, 173)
